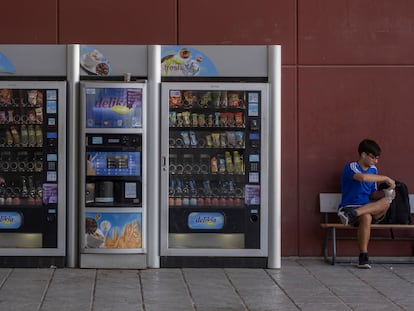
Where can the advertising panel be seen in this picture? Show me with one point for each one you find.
(109, 230)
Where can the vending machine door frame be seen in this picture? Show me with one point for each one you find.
(101, 257)
(60, 250)
(166, 250)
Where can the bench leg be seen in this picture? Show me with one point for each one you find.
(325, 245)
(333, 246)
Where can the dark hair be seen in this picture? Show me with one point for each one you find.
(369, 146)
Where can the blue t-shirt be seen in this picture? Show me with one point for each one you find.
(356, 192)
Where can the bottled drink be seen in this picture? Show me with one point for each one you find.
(32, 135)
(9, 138)
(15, 134)
(39, 136)
(24, 135)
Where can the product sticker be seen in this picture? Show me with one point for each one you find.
(51, 106)
(90, 91)
(253, 98)
(51, 135)
(253, 110)
(130, 190)
(252, 194)
(51, 176)
(51, 166)
(51, 95)
(254, 158)
(51, 121)
(51, 157)
(254, 177)
(50, 193)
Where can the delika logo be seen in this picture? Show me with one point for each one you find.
(209, 221)
(7, 220)
(105, 102)
(10, 220)
(206, 220)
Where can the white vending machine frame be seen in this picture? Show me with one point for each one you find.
(166, 250)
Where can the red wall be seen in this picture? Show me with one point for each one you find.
(347, 74)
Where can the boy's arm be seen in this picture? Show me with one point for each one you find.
(375, 178)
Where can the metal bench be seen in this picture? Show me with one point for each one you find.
(328, 206)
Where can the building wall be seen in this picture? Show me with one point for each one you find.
(347, 74)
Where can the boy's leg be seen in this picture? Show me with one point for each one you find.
(376, 208)
(363, 235)
(364, 232)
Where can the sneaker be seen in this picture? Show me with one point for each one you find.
(363, 261)
(347, 215)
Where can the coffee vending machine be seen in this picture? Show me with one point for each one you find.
(112, 195)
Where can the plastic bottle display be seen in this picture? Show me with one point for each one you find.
(21, 139)
(207, 143)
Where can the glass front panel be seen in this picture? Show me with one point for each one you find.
(214, 168)
(29, 166)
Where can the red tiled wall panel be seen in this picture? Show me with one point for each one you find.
(239, 22)
(356, 32)
(338, 107)
(290, 198)
(118, 22)
(29, 22)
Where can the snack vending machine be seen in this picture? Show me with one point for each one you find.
(214, 172)
(32, 173)
(113, 170)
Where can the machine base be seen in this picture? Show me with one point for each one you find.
(213, 262)
(113, 261)
(31, 262)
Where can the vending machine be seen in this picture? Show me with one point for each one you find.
(113, 172)
(215, 169)
(220, 173)
(32, 173)
(33, 137)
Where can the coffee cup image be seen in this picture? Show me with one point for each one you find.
(92, 59)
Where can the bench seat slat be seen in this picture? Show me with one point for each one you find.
(373, 226)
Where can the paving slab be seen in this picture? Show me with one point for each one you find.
(301, 284)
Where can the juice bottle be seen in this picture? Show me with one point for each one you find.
(15, 134)
(24, 135)
(39, 136)
(229, 162)
(9, 138)
(32, 136)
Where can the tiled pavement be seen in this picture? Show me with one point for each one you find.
(301, 284)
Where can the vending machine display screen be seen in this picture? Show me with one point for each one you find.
(113, 163)
(113, 107)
